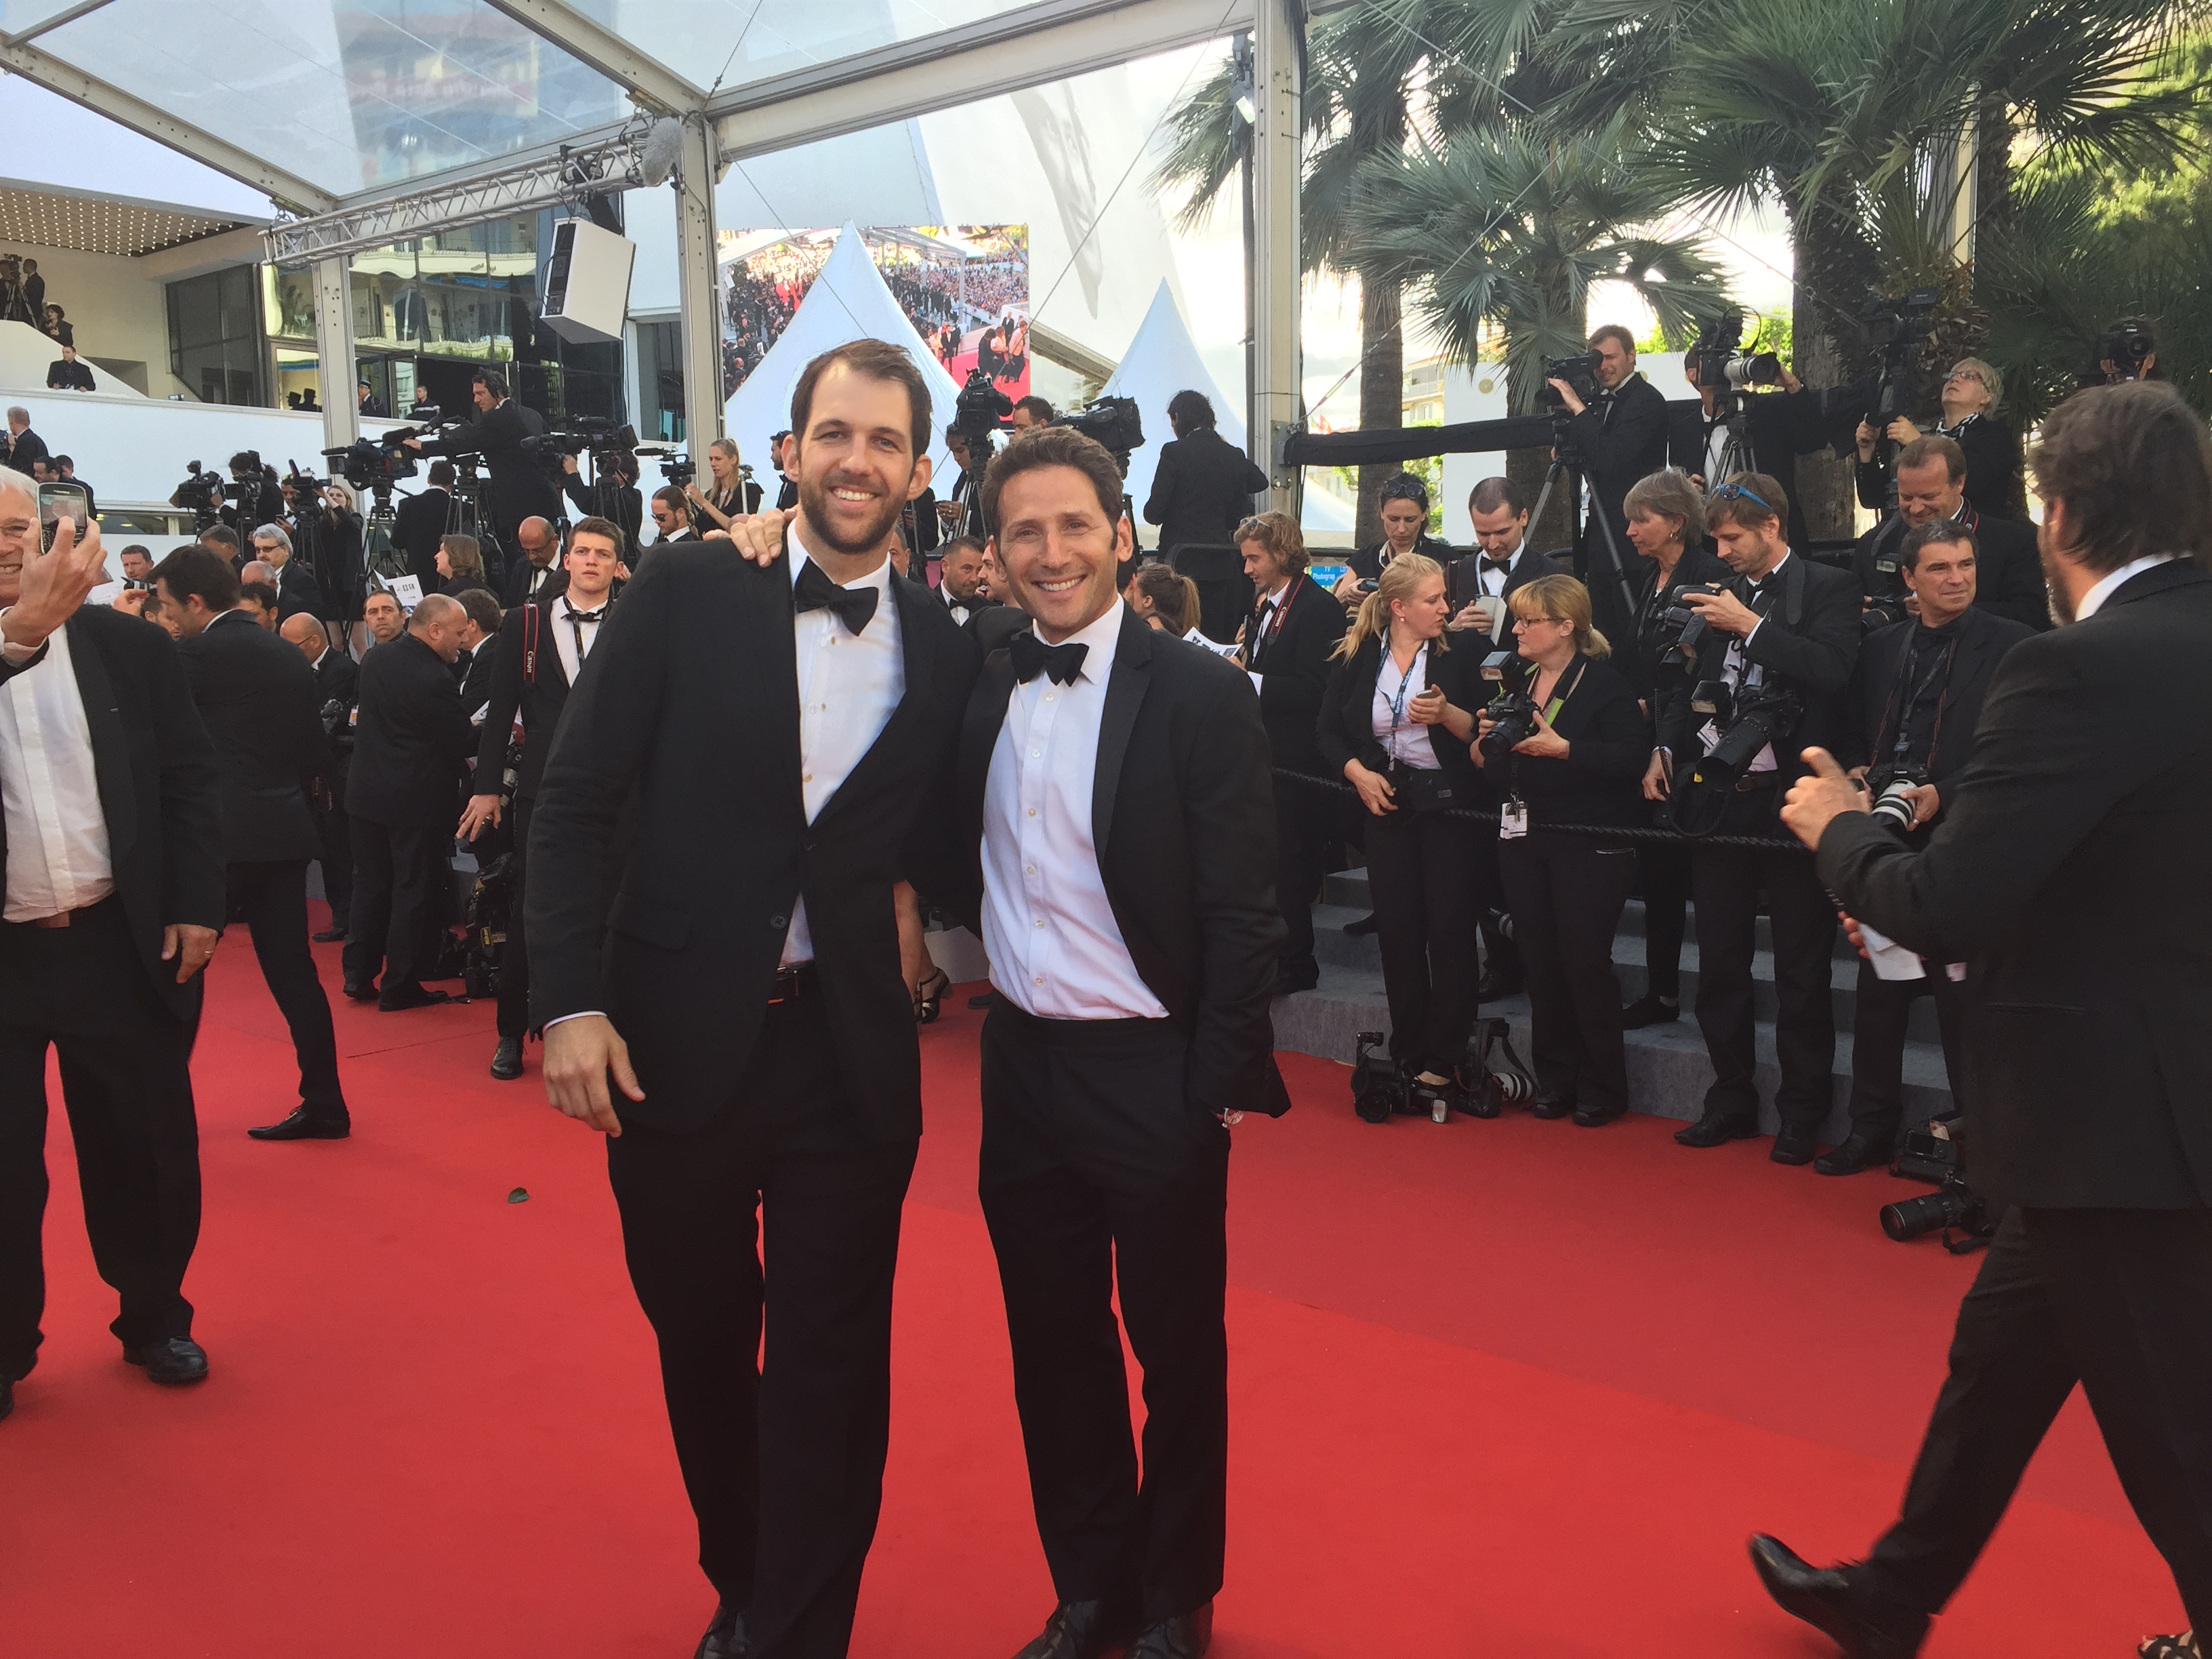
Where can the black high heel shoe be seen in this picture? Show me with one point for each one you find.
(929, 997)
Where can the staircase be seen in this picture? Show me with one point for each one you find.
(1667, 1071)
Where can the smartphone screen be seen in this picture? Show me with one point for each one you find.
(57, 502)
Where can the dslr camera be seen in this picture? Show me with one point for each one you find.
(1724, 365)
(1683, 629)
(1936, 1152)
(1579, 371)
(2119, 353)
(1510, 710)
(1750, 718)
(1890, 786)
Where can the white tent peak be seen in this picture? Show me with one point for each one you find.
(846, 301)
(1161, 360)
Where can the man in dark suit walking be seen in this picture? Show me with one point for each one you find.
(540, 649)
(1918, 692)
(336, 682)
(2069, 875)
(421, 521)
(258, 701)
(112, 843)
(411, 737)
(1116, 782)
(1202, 488)
(1294, 626)
(734, 965)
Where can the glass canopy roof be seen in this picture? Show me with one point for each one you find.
(355, 96)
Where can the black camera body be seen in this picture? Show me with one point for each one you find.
(368, 465)
(613, 445)
(1723, 365)
(338, 727)
(981, 411)
(1579, 371)
(1899, 329)
(1889, 785)
(1936, 1152)
(1378, 1082)
(1750, 718)
(1510, 710)
(1114, 423)
(679, 469)
(2127, 345)
(202, 491)
(1685, 631)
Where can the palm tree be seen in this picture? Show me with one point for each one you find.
(1500, 230)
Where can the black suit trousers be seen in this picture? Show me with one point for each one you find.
(514, 954)
(1565, 892)
(399, 872)
(271, 899)
(1423, 871)
(1879, 1017)
(127, 1086)
(334, 834)
(782, 1454)
(1663, 872)
(1725, 883)
(2118, 1300)
(1096, 1174)
(1301, 827)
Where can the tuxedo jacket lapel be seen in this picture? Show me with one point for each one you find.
(1125, 695)
(920, 667)
(110, 750)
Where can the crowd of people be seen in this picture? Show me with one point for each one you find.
(1508, 765)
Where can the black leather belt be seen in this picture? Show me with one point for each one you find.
(792, 983)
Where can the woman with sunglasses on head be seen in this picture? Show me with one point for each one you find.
(1395, 721)
(1972, 391)
(1581, 762)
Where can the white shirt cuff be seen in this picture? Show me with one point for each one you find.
(583, 1013)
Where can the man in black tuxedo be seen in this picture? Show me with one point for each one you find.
(540, 648)
(1777, 427)
(1289, 638)
(1918, 692)
(1202, 488)
(26, 448)
(260, 705)
(1623, 436)
(479, 646)
(1931, 489)
(1116, 782)
(420, 523)
(2068, 873)
(372, 406)
(734, 965)
(112, 843)
(515, 485)
(298, 593)
(412, 735)
(960, 580)
(1783, 624)
(65, 374)
(536, 573)
(337, 681)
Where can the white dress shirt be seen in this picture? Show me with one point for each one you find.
(1492, 582)
(57, 850)
(565, 634)
(1056, 949)
(960, 608)
(848, 685)
(2093, 600)
(1735, 670)
(1406, 741)
(1267, 624)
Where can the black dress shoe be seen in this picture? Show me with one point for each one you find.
(1186, 1636)
(1496, 983)
(400, 1002)
(1793, 1146)
(506, 1059)
(330, 936)
(300, 1127)
(1715, 1129)
(726, 1636)
(170, 1360)
(1289, 979)
(367, 992)
(1597, 1119)
(1859, 1152)
(1649, 1010)
(1077, 1630)
(1549, 1107)
(1827, 1599)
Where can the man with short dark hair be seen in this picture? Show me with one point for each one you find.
(137, 563)
(480, 645)
(1030, 413)
(2068, 874)
(515, 485)
(1622, 435)
(1916, 691)
(381, 611)
(260, 703)
(960, 579)
(336, 678)
(1498, 510)
(223, 541)
(372, 407)
(412, 735)
(258, 600)
(65, 374)
(1931, 489)
(1202, 488)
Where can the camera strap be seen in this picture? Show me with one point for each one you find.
(529, 643)
(1904, 667)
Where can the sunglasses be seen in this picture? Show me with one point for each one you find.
(1736, 492)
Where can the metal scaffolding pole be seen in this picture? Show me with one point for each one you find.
(1276, 403)
(334, 359)
(698, 293)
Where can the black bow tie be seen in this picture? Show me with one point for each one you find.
(815, 592)
(576, 615)
(1504, 565)
(1032, 657)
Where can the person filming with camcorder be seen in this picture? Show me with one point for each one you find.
(2066, 871)
(1771, 676)
(517, 487)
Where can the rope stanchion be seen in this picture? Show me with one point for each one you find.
(1608, 831)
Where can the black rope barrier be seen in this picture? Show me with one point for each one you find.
(1608, 831)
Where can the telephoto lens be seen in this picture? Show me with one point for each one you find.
(1894, 806)
(1917, 1218)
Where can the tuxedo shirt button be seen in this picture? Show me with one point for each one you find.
(779, 922)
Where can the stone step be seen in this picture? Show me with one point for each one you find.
(1667, 1071)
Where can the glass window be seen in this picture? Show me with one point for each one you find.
(215, 335)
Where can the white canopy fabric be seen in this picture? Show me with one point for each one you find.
(1161, 360)
(848, 302)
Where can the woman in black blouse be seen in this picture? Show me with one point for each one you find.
(1582, 764)
(1395, 721)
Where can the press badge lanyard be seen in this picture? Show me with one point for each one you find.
(1398, 704)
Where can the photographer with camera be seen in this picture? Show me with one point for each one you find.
(2067, 872)
(1735, 429)
(1932, 475)
(1918, 692)
(1402, 505)
(337, 677)
(1618, 425)
(1564, 742)
(1396, 718)
(516, 487)
(1989, 450)
(1667, 528)
(1202, 488)
(1772, 677)
(253, 495)
(2127, 351)
(612, 494)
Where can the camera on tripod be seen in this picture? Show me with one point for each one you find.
(980, 411)
(203, 492)
(1899, 330)
(1579, 371)
(1113, 423)
(610, 443)
(1723, 365)
(1511, 712)
(368, 465)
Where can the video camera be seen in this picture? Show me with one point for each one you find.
(2119, 353)
(203, 492)
(980, 411)
(1898, 330)
(366, 464)
(1510, 709)
(1114, 423)
(609, 440)
(676, 466)
(1579, 371)
(1723, 365)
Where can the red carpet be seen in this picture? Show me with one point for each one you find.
(1500, 1389)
